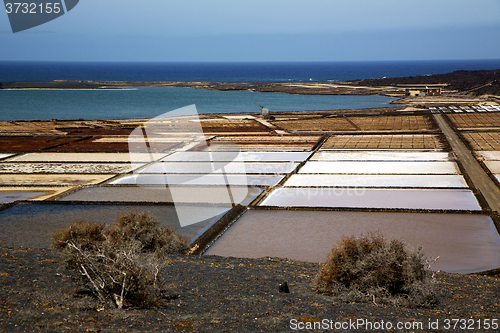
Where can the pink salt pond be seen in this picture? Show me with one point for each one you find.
(464, 243)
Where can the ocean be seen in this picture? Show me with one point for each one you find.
(153, 101)
(232, 72)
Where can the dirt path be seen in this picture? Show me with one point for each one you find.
(477, 175)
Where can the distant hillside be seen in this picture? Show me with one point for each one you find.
(477, 82)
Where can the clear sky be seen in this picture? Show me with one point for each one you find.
(261, 30)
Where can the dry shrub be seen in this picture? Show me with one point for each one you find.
(121, 262)
(88, 235)
(143, 231)
(369, 268)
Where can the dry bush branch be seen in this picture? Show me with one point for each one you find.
(370, 269)
(121, 262)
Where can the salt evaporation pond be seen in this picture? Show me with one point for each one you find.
(242, 156)
(80, 157)
(212, 179)
(53, 179)
(488, 155)
(230, 167)
(67, 168)
(372, 198)
(346, 167)
(431, 181)
(494, 166)
(11, 196)
(465, 243)
(324, 155)
(185, 194)
(32, 225)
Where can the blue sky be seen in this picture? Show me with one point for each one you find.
(261, 30)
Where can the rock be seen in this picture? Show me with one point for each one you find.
(283, 287)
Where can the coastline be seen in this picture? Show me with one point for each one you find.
(302, 88)
(457, 87)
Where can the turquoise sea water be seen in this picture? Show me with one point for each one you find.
(153, 101)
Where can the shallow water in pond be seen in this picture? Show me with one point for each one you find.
(380, 167)
(376, 180)
(32, 225)
(325, 155)
(372, 198)
(11, 196)
(243, 156)
(212, 179)
(464, 243)
(186, 194)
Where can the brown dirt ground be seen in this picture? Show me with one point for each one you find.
(214, 294)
